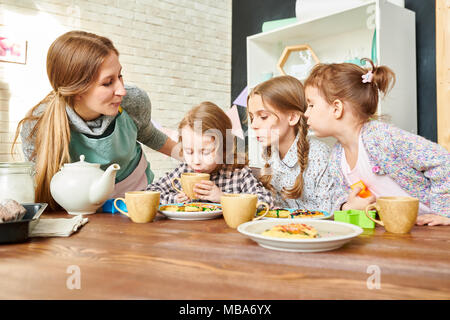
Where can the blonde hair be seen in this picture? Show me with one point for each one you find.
(343, 81)
(286, 93)
(73, 63)
(211, 118)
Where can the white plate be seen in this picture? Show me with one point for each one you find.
(201, 215)
(333, 235)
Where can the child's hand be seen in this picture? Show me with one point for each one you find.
(207, 190)
(432, 220)
(181, 198)
(357, 203)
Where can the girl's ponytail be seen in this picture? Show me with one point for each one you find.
(351, 83)
(383, 77)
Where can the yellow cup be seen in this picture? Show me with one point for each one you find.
(240, 208)
(142, 206)
(188, 181)
(397, 214)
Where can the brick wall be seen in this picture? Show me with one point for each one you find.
(179, 51)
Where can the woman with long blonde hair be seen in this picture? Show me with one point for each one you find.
(91, 112)
(296, 168)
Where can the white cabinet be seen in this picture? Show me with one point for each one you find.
(333, 38)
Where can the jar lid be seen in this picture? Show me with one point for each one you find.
(24, 164)
(82, 163)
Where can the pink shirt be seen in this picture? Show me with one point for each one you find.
(379, 185)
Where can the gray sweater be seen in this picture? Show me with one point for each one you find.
(136, 103)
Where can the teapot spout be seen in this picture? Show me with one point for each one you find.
(102, 188)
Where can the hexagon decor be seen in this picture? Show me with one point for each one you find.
(308, 58)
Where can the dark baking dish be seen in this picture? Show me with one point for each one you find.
(19, 231)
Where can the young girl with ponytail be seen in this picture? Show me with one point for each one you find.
(89, 112)
(342, 102)
(296, 165)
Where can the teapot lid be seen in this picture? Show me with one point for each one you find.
(81, 163)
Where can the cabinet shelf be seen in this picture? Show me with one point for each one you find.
(333, 38)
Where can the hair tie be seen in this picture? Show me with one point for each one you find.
(367, 77)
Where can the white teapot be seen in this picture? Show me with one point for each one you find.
(82, 187)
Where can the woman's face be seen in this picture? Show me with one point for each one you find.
(319, 113)
(199, 150)
(269, 127)
(105, 94)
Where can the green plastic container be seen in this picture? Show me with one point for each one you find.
(356, 217)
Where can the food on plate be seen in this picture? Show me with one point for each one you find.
(191, 207)
(11, 210)
(292, 231)
(170, 208)
(275, 213)
(302, 213)
(290, 213)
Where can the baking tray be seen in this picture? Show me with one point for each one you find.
(19, 231)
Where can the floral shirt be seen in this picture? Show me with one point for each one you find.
(237, 181)
(317, 181)
(420, 167)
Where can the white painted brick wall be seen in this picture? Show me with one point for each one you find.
(179, 51)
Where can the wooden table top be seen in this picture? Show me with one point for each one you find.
(170, 259)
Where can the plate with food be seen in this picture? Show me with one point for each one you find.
(191, 211)
(309, 235)
(289, 214)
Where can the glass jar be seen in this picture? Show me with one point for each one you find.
(17, 181)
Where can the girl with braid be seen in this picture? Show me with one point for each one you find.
(296, 165)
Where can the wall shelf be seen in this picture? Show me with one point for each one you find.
(333, 38)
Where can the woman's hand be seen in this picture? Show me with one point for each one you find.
(207, 190)
(171, 149)
(357, 203)
(432, 220)
(181, 198)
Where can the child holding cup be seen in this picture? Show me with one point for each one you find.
(208, 147)
(342, 102)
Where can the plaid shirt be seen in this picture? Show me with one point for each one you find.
(237, 181)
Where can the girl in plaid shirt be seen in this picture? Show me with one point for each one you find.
(202, 134)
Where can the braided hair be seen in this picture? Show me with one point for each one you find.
(286, 93)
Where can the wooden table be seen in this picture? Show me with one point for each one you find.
(170, 259)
